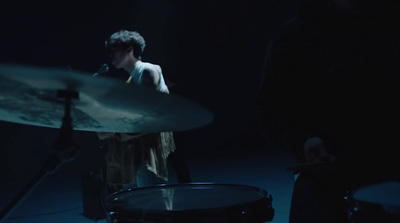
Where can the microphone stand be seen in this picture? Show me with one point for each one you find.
(64, 150)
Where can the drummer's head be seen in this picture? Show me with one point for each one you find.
(124, 45)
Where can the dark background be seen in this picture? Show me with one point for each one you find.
(211, 52)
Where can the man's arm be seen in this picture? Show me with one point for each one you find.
(150, 78)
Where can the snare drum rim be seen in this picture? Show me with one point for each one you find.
(166, 186)
(362, 210)
(235, 209)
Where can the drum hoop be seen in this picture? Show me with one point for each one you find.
(219, 212)
(212, 213)
(358, 203)
(376, 207)
(167, 186)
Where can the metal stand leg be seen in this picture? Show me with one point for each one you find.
(64, 150)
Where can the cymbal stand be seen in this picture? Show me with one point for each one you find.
(64, 150)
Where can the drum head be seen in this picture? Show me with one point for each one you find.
(197, 202)
(377, 203)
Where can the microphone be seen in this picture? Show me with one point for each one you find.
(103, 69)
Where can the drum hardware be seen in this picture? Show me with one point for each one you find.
(191, 203)
(43, 96)
(64, 150)
(374, 203)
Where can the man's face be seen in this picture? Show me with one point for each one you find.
(118, 57)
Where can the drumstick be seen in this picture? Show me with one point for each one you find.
(307, 166)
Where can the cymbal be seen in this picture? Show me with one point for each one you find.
(28, 95)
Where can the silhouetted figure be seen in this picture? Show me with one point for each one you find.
(332, 75)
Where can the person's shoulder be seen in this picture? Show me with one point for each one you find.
(293, 33)
(294, 28)
(295, 23)
(151, 67)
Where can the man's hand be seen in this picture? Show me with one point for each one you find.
(127, 136)
(105, 135)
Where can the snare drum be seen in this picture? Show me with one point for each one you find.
(377, 203)
(191, 203)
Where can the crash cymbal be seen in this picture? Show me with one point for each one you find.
(28, 95)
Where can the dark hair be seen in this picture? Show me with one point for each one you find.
(124, 39)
